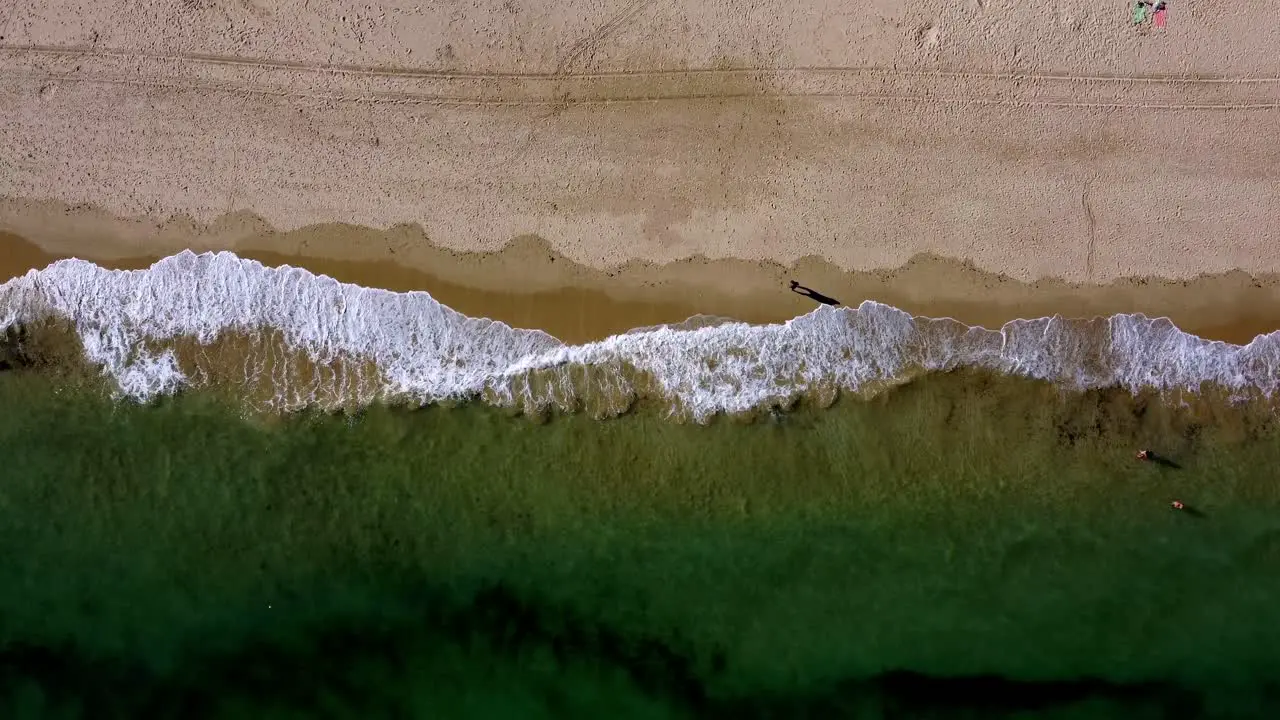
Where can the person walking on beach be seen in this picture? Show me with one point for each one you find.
(812, 294)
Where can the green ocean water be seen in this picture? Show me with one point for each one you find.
(963, 546)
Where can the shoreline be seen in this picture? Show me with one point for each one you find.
(528, 285)
(974, 162)
(285, 339)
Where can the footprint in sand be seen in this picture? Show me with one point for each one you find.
(928, 37)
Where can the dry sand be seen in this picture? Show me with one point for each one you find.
(956, 158)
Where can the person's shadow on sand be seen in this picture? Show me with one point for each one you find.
(812, 294)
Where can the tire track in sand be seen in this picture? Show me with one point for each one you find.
(609, 27)
(336, 83)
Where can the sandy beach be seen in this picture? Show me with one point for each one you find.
(639, 162)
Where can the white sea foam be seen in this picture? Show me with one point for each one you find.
(427, 352)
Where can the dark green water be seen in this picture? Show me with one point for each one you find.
(964, 546)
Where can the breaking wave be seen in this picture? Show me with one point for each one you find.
(293, 339)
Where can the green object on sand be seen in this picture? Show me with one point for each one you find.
(1139, 13)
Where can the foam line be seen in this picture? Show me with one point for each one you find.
(428, 352)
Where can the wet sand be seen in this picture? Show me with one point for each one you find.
(529, 286)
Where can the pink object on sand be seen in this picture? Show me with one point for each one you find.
(1159, 17)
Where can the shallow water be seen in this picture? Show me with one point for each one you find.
(965, 545)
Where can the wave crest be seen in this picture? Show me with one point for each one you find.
(293, 339)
